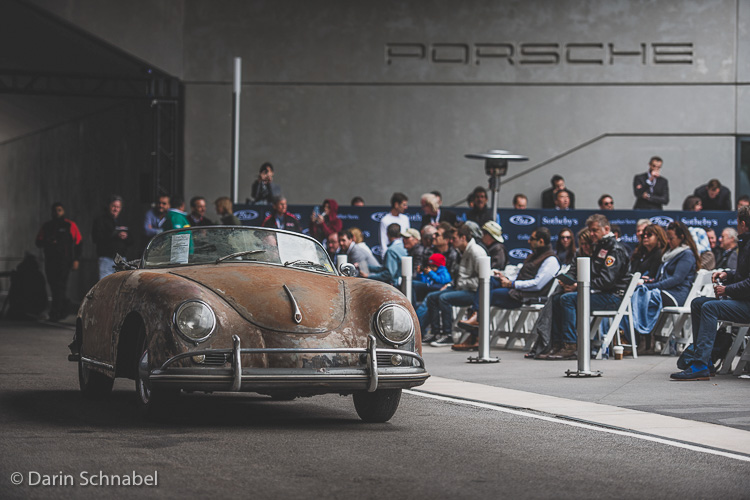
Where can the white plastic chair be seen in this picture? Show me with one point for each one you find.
(616, 316)
(739, 341)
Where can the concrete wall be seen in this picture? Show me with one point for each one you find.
(366, 98)
(79, 163)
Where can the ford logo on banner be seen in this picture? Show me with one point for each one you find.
(520, 253)
(246, 214)
(377, 216)
(661, 220)
(522, 220)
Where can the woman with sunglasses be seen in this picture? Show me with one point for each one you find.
(646, 258)
(565, 248)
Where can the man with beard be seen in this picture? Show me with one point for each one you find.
(480, 212)
(61, 241)
(533, 281)
(110, 236)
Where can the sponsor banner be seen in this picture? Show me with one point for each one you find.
(517, 225)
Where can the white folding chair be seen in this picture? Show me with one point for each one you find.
(616, 316)
(674, 321)
(739, 341)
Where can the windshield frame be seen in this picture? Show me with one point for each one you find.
(142, 264)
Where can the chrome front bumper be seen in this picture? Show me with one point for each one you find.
(322, 380)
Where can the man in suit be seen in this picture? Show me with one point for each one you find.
(651, 189)
(714, 196)
(550, 195)
(433, 214)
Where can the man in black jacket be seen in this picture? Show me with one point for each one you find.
(110, 236)
(714, 196)
(609, 280)
(651, 189)
(549, 195)
(732, 303)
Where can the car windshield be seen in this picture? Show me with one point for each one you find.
(222, 244)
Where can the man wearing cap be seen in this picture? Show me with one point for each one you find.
(492, 239)
(533, 281)
(390, 272)
(413, 243)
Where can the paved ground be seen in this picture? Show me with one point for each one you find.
(435, 446)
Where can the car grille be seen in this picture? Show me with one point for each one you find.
(216, 359)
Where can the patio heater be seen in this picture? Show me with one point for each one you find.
(495, 166)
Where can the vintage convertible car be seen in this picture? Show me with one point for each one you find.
(232, 308)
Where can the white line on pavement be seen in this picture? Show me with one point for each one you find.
(594, 427)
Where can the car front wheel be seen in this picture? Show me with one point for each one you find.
(378, 406)
(152, 404)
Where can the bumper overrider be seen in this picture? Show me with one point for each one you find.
(332, 379)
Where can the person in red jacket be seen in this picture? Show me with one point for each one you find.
(325, 222)
(61, 241)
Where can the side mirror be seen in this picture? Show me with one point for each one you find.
(348, 270)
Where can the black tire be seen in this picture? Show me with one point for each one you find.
(94, 385)
(152, 404)
(378, 406)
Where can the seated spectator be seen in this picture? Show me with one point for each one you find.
(520, 201)
(412, 240)
(550, 195)
(434, 275)
(358, 201)
(562, 200)
(399, 205)
(480, 212)
(326, 223)
(743, 201)
(606, 202)
(692, 204)
(155, 218)
(727, 258)
(332, 246)
(533, 281)
(359, 239)
(732, 303)
(713, 241)
(639, 227)
(714, 196)
(390, 272)
(651, 190)
(700, 238)
(542, 347)
(492, 240)
(197, 215)
(565, 248)
(609, 279)
(432, 213)
(176, 216)
(356, 254)
(680, 262)
(264, 190)
(279, 218)
(460, 292)
(225, 209)
(646, 258)
(441, 243)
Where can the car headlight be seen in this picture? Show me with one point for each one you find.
(195, 320)
(394, 325)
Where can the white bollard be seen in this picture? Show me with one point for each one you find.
(485, 273)
(406, 270)
(341, 259)
(583, 318)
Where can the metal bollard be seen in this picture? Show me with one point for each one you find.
(484, 314)
(583, 318)
(341, 259)
(406, 270)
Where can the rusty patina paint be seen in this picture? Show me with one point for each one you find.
(249, 300)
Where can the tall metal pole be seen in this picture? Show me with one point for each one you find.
(583, 317)
(406, 273)
(237, 87)
(484, 313)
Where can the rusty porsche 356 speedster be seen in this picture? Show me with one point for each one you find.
(231, 308)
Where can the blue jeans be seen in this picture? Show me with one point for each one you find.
(565, 309)
(440, 308)
(106, 266)
(705, 313)
(499, 298)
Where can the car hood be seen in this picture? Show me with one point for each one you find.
(265, 295)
